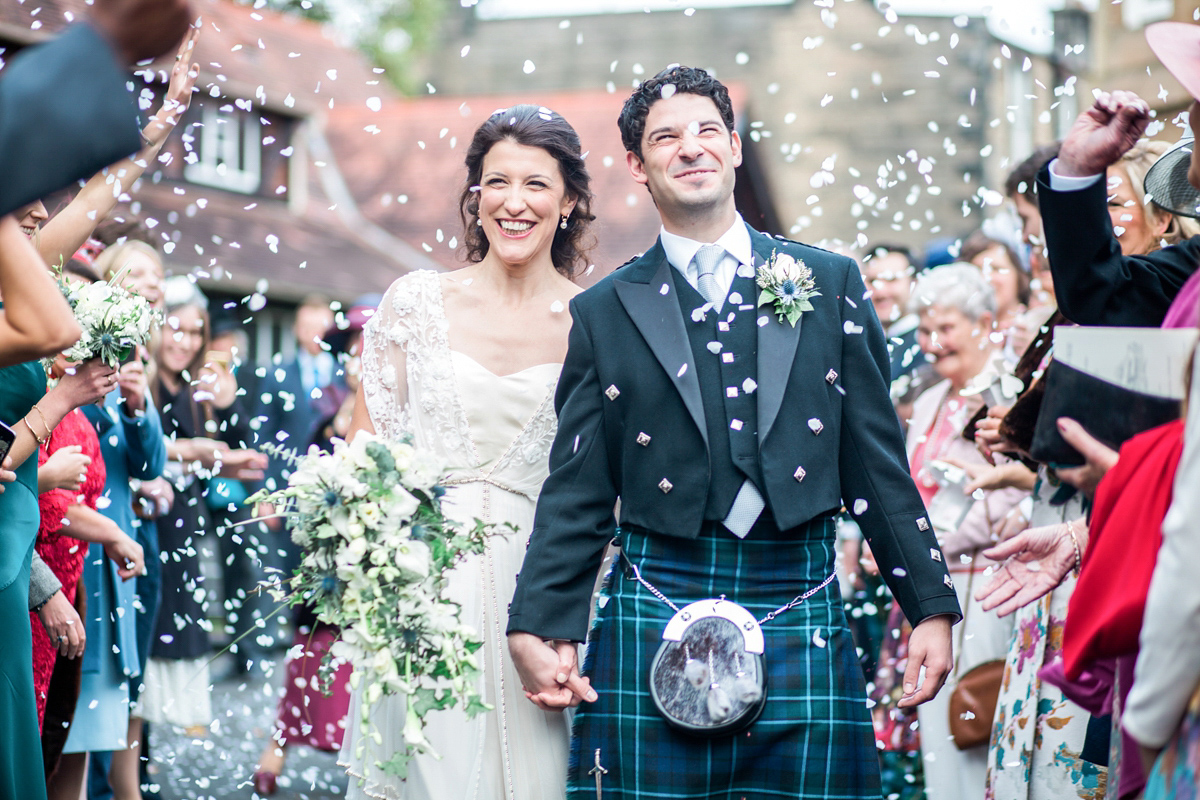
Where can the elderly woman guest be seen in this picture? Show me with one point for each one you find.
(956, 304)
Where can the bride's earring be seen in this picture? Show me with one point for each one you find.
(478, 222)
(563, 225)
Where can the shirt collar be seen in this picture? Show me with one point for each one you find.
(681, 250)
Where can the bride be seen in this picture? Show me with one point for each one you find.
(467, 363)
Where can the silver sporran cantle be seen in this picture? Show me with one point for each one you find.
(709, 678)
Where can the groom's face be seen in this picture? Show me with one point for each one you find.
(688, 156)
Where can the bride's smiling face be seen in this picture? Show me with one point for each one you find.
(522, 199)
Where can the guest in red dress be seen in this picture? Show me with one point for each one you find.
(63, 553)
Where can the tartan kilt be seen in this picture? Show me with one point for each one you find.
(814, 740)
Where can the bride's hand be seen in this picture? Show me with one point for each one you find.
(549, 672)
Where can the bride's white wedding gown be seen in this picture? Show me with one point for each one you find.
(496, 432)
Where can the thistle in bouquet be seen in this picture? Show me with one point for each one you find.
(113, 319)
(377, 549)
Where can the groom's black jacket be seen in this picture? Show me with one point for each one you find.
(622, 377)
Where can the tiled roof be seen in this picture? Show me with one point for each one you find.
(404, 164)
(241, 240)
(239, 50)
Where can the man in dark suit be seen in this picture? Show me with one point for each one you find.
(731, 437)
(65, 109)
(1094, 283)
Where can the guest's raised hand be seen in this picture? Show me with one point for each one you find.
(131, 378)
(66, 468)
(1035, 562)
(179, 91)
(141, 29)
(1102, 134)
(987, 433)
(87, 382)
(63, 625)
(1100, 457)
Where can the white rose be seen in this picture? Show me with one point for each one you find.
(370, 514)
(412, 558)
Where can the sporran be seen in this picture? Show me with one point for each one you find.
(709, 678)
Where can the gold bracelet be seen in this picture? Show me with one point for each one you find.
(40, 442)
(1078, 553)
(45, 424)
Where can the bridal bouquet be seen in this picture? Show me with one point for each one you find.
(114, 320)
(377, 550)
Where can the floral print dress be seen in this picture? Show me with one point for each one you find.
(1037, 734)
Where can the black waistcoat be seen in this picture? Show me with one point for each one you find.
(728, 380)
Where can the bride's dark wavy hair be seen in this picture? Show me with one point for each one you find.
(532, 126)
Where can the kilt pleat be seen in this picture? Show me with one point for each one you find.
(814, 739)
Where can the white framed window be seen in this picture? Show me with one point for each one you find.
(230, 151)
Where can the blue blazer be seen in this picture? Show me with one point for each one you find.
(132, 447)
(287, 416)
(65, 114)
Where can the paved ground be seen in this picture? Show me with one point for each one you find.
(221, 764)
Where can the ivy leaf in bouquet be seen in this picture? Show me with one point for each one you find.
(377, 549)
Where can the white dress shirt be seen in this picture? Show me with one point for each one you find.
(1070, 183)
(681, 250)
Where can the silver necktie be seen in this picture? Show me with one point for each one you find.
(706, 260)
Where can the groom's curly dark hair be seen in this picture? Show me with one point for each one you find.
(688, 80)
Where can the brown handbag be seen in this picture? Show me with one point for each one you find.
(973, 704)
(973, 700)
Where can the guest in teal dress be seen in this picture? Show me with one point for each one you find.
(32, 413)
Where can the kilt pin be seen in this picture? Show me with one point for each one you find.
(648, 415)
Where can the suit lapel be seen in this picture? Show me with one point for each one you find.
(777, 343)
(648, 295)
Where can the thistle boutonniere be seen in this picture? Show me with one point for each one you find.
(787, 284)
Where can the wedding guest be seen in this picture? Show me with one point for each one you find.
(131, 442)
(1002, 267)
(310, 712)
(956, 304)
(206, 430)
(33, 414)
(499, 327)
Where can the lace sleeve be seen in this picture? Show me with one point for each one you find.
(386, 338)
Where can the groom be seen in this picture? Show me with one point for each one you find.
(731, 437)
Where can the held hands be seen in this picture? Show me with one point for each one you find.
(1035, 562)
(1102, 134)
(63, 625)
(549, 672)
(66, 468)
(929, 647)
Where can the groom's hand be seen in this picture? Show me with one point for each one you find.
(549, 672)
(929, 647)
